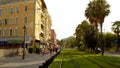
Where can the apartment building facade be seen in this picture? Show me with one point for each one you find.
(19, 15)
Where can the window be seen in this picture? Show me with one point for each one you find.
(26, 8)
(0, 21)
(5, 21)
(17, 9)
(10, 32)
(11, 10)
(0, 33)
(5, 32)
(6, 10)
(17, 0)
(16, 20)
(11, 1)
(6, 1)
(42, 27)
(0, 2)
(25, 19)
(16, 32)
(0, 11)
(11, 20)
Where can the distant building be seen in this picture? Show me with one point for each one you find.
(53, 37)
(14, 15)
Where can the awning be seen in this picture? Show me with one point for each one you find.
(3, 42)
(15, 41)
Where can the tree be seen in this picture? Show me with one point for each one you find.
(69, 42)
(109, 39)
(90, 37)
(116, 29)
(87, 34)
(96, 12)
(79, 32)
(90, 12)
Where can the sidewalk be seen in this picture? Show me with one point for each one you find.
(31, 61)
(112, 54)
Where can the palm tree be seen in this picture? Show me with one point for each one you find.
(96, 12)
(89, 12)
(116, 29)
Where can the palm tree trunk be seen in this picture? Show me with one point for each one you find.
(101, 42)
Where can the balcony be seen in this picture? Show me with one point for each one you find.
(14, 1)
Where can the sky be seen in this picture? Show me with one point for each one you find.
(67, 14)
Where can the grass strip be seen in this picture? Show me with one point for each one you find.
(115, 60)
(67, 63)
(57, 61)
(107, 61)
(74, 62)
(101, 63)
(84, 63)
(85, 60)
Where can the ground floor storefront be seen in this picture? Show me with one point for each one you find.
(11, 52)
(17, 49)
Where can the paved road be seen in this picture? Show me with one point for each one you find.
(31, 61)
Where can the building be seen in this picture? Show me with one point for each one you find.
(53, 37)
(48, 27)
(19, 15)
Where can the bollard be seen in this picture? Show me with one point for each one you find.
(40, 66)
(49, 61)
(44, 65)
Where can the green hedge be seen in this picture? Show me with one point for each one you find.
(37, 51)
(30, 50)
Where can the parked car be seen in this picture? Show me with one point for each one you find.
(98, 50)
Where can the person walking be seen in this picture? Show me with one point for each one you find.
(41, 50)
(51, 49)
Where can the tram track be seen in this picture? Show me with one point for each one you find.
(76, 59)
(71, 58)
(74, 62)
(61, 61)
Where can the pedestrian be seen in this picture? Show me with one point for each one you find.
(51, 49)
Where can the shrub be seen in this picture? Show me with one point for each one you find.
(30, 50)
(37, 50)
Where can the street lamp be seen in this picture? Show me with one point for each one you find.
(24, 44)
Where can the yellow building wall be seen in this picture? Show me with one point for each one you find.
(34, 16)
(29, 14)
(38, 20)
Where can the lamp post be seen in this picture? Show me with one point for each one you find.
(104, 38)
(24, 44)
